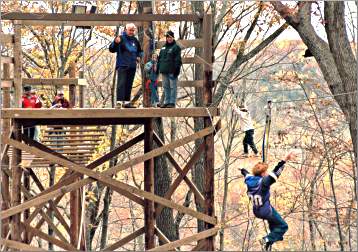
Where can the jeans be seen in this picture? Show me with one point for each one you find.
(278, 227)
(125, 78)
(153, 92)
(30, 132)
(249, 140)
(170, 88)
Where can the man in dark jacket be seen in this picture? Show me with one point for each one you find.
(169, 64)
(129, 53)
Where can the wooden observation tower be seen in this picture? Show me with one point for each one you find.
(21, 155)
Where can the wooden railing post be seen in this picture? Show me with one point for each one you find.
(16, 185)
(72, 88)
(209, 139)
(17, 64)
(5, 162)
(149, 210)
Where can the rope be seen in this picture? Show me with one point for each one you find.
(265, 139)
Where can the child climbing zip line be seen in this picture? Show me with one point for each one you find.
(258, 190)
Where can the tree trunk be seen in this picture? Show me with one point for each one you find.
(162, 182)
(106, 203)
(335, 59)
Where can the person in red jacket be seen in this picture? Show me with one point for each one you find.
(30, 101)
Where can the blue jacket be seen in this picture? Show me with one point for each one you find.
(258, 190)
(127, 51)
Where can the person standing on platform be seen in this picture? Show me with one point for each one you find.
(169, 64)
(129, 53)
(248, 127)
(30, 101)
(150, 69)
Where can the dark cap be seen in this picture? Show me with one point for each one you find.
(169, 34)
(27, 88)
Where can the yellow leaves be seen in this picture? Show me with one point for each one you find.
(90, 196)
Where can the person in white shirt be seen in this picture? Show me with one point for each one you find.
(248, 127)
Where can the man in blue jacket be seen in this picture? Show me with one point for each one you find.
(258, 190)
(129, 53)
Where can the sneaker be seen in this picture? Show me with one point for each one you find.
(257, 154)
(129, 105)
(164, 105)
(170, 105)
(156, 105)
(118, 104)
(244, 155)
(266, 244)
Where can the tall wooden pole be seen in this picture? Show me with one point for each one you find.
(209, 139)
(5, 162)
(149, 210)
(72, 88)
(17, 64)
(82, 91)
(74, 195)
(16, 185)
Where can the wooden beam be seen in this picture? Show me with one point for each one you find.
(19, 245)
(103, 113)
(75, 130)
(98, 17)
(193, 60)
(72, 144)
(65, 141)
(182, 175)
(162, 237)
(52, 82)
(76, 23)
(125, 240)
(69, 178)
(72, 135)
(186, 43)
(149, 209)
(195, 83)
(52, 204)
(105, 178)
(16, 186)
(49, 238)
(17, 51)
(187, 240)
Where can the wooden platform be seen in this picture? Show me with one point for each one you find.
(100, 116)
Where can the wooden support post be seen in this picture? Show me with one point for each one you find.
(17, 64)
(146, 57)
(74, 195)
(16, 185)
(209, 139)
(5, 162)
(82, 91)
(149, 210)
(27, 211)
(72, 88)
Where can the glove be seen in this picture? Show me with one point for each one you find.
(244, 172)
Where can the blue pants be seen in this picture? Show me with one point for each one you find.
(153, 92)
(278, 227)
(170, 88)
